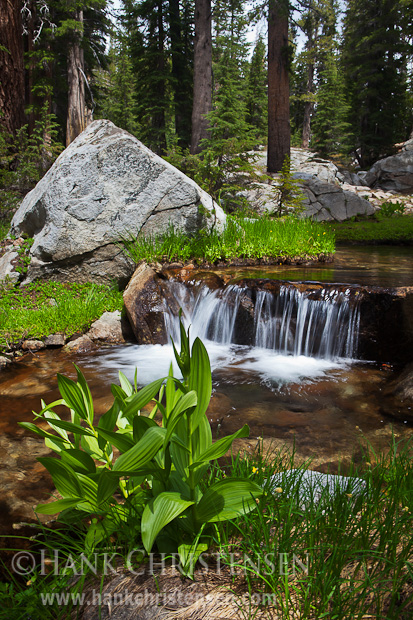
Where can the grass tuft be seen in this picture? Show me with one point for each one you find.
(242, 238)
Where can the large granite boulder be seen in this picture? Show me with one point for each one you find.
(327, 201)
(394, 173)
(105, 185)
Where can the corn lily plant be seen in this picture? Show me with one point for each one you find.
(158, 487)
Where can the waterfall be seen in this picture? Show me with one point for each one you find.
(290, 322)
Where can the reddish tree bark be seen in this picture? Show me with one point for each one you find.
(77, 117)
(202, 103)
(278, 86)
(11, 66)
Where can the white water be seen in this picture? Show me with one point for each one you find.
(295, 338)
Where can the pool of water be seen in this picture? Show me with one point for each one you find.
(387, 266)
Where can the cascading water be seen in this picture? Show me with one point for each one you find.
(290, 323)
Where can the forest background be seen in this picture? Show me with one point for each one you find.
(182, 77)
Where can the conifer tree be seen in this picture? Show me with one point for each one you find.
(257, 96)
(331, 131)
(375, 54)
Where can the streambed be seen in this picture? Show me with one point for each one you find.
(323, 407)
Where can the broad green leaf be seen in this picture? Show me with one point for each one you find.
(79, 461)
(107, 485)
(108, 420)
(118, 393)
(140, 425)
(52, 415)
(188, 557)
(180, 456)
(89, 490)
(55, 507)
(227, 499)
(158, 513)
(186, 402)
(48, 407)
(76, 429)
(201, 438)
(221, 447)
(171, 395)
(122, 442)
(142, 452)
(200, 381)
(72, 395)
(87, 396)
(125, 384)
(64, 478)
(35, 429)
(91, 446)
(134, 403)
(57, 446)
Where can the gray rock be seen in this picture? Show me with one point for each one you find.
(33, 345)
(4, 361)
(105, 185)
(83, 344)
(315, 486)
(108, 328)
(55, 340)
(331, 202)
(394, 173)
(7, 266)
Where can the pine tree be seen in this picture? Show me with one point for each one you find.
(257, 96)
(375, 55)
(331, 131)
(116, 87)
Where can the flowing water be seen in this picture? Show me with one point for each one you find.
(295, 378)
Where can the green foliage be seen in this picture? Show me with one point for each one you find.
(156, 488)
(242, 238)
(25, 159)
(42, 308)
(388, 209)
(374, 60)
(367, 566)
(288, 192)
(257, 96)
(116, 87)
(331, 131)
(220, 171)
(377, 229)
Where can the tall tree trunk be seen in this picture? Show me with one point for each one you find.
(181, 77)
(76, 105)
(202, 103)
(11, 66)
(278, 86)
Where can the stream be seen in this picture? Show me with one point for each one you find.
(315, 398)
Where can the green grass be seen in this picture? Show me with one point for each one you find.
(397, 229)
(242, 238)
(346, 557)
(357, 550)
(42, 308)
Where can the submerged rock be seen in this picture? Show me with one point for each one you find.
(103, 187)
